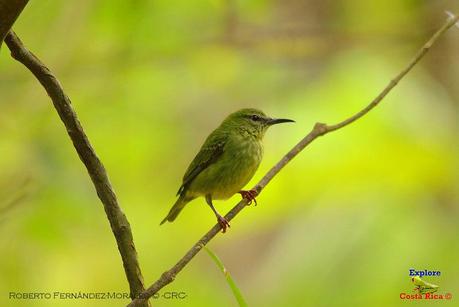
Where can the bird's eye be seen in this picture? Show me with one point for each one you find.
(255, 117)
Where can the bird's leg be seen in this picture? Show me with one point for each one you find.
(220, 219)
(249, 196)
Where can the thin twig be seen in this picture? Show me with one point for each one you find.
(318, 130)
(118, 221)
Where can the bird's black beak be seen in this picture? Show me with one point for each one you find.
(274, 121)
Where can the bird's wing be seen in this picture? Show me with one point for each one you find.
(210, 152)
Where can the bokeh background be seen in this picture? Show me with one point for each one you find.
(341, 225)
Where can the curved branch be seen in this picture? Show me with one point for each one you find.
(118, 221)
(318, 130)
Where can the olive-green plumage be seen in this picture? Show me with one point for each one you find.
(423, 286)
(226, 161)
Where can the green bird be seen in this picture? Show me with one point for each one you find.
(226, 162)
(423, 286)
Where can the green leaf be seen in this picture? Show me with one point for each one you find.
(237, 293)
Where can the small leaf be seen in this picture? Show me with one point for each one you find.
(237, 293)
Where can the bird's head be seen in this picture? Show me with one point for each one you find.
(416, 280)
(252, 121)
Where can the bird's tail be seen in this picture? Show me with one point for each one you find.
(175, 210)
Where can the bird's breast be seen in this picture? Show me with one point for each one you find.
(241, 160)
(232, 171)
(238, 166)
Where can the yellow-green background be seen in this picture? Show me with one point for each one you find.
(340, 226)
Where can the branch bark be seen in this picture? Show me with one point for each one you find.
(118, 221)
(9, 12)
(319, 129)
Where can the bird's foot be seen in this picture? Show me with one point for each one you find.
(249, 196)
(223, 223)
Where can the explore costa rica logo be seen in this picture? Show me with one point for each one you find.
(424, 290)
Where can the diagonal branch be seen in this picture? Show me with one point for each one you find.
(118, 221)
(318, 130)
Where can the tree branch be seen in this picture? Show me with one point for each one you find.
(9, 12)
(118, 221)
(318, 130)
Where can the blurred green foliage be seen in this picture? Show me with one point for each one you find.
(339, 226)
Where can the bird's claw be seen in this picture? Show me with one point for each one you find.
(223, 223)
(249, 196)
